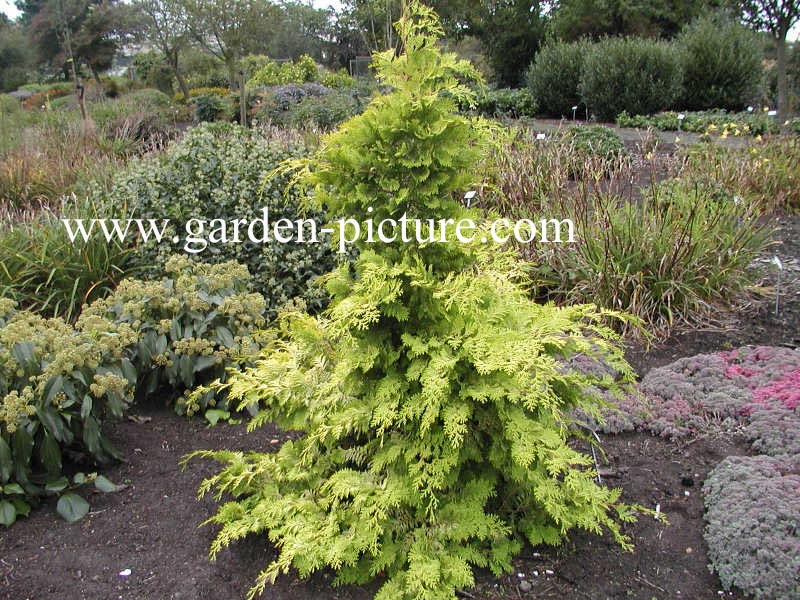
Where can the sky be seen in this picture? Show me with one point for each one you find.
(7, 6)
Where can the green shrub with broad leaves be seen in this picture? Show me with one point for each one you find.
(223, 171)
(58, 385)
(191, 325)
(632, 74)
(434, 395)
(554, 76)
(721, 63)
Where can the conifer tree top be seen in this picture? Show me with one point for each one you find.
(409, 152)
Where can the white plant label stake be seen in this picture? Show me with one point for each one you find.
(469, 196)
(777, 262)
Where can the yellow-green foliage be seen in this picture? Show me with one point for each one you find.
(435, 397)
(302, 71)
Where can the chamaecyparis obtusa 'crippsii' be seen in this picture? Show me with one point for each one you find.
(434, 396)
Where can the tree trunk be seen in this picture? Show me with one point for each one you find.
(173, 62)
(783, 96)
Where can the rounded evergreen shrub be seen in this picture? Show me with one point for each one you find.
(721, 62)
(631, 74)
(554, 75)
(223, 171)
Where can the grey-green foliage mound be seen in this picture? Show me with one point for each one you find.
(222, 171)
(753, 532)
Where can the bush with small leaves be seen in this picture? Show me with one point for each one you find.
(752, 507)
(554, 77)
(326, 111)
(506, 102)
(222, 171)
(277, 104)
(632, 74)
(721, 63)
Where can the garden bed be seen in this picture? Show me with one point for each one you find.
(151, 526)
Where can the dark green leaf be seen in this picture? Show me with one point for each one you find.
(53, 387)
(57, 485)
(129, 371)
(72, 507)
(6, 463)
(91, 436)
(224, 336)
(161, 344)
(8, 514)
(50, 454)
(24, 354)
(13, 488)
(23, 508)
(204, 362)
(86, 406)
(175, 329)
(186, 366)
(106, 485)
(22, 442)
(52, 422)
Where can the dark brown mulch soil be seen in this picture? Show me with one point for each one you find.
(151, 528)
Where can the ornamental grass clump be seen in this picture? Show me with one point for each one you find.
(434, 396)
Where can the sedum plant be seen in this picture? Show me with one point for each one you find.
(435, 397)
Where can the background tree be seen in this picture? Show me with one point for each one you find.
(16, 55)
(302, 29)
(511, 32)
(71, 33)
(374, 21)
(776, 17)
(230, 29)
(575, 19)
(167, 29)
